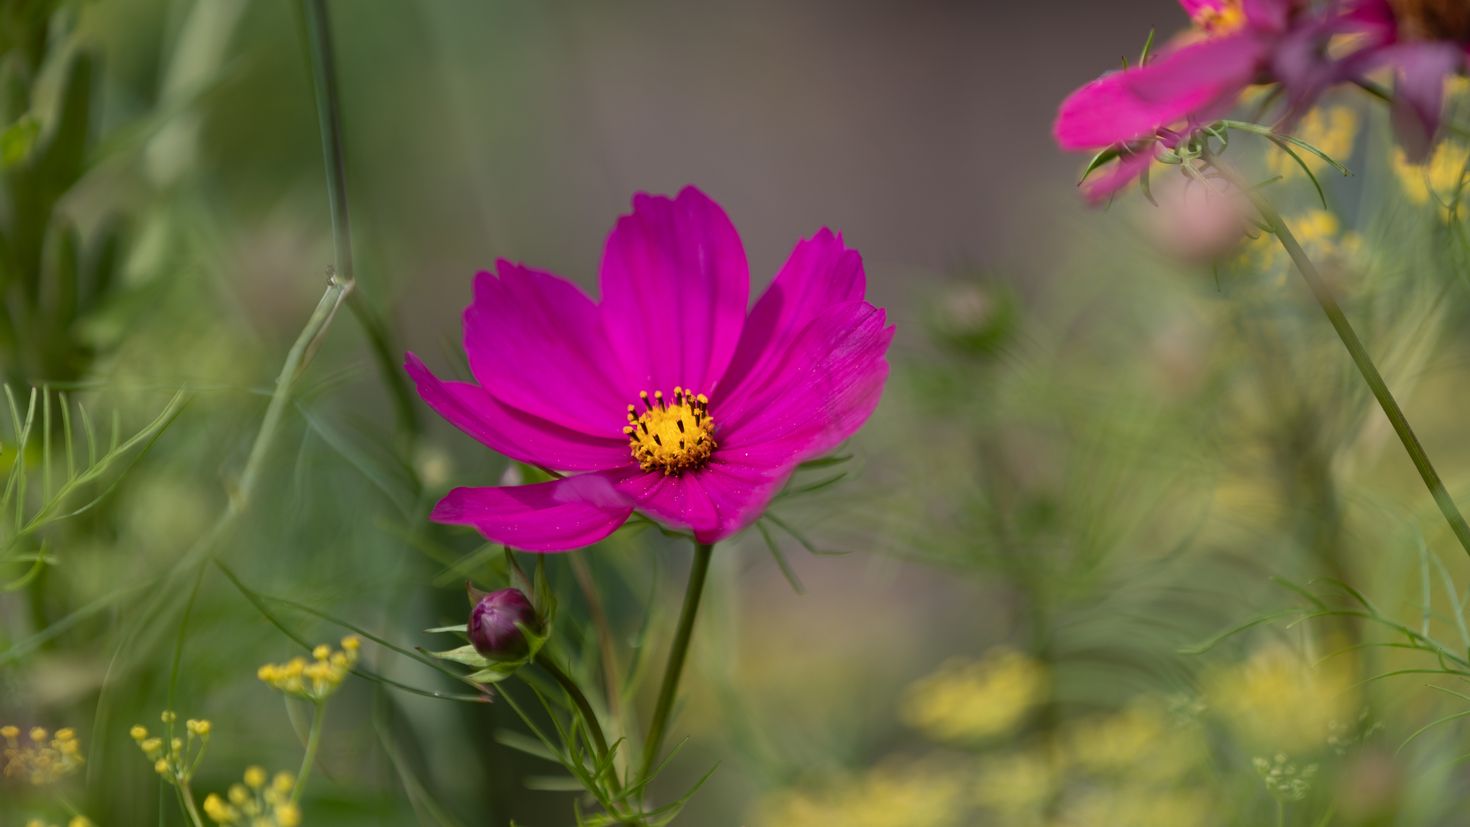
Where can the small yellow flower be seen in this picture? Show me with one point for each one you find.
(176, 758)
(1439, 179)
(316, 680)
(41, 758)
(254, 803)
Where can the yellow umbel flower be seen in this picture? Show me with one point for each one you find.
(317, 679)
(1440, 179)
(255, 803)
(1320, 234)
(973, 699)
(39, 757)
(892, 795)
(1142, 806)
(76, 821)
(1278, 700)
(1018, 786)
(1144, 741)
(174, 759)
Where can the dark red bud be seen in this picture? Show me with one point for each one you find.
(492, 626)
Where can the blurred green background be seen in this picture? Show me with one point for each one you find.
(1091, 458)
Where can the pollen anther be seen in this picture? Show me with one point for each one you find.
(672, 435)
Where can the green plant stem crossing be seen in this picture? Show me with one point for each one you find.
(1364, 362)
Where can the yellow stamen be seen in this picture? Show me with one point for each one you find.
(1226, 18)
(671, 437)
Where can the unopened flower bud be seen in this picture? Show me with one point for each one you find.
(493, 623)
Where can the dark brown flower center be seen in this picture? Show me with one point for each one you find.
(1434, 19)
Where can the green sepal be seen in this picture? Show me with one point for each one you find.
(488, 670)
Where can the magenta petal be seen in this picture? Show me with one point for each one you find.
(674, 290)
(712, 503)
(740, 494)
(519, 436)
(1270, 15)
(679, 502)
(1118, 175)
(820, 272)
(820, 392)
(537, 344)
(548, 516)
(1196, 81)
(1423, 70)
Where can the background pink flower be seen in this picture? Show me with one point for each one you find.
(668, 396)
(1200, 77)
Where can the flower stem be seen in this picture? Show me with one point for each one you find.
(599, 741)
(313, 740)
(1371, 376)
(329, 121)
(657, 728)
(190, 808)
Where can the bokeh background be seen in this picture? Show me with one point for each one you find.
(1092, 457)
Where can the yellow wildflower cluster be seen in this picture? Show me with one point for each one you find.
(76, 821)
(1144, 741)
(316, 679)
(175, 759)
(913, 795)
(1321, 236)
(38, 757)
(1276, 699)
(1018, 787)
(256, 803)
(1141, 807)
(974, 699)
(1440, 179)
(1332, 129)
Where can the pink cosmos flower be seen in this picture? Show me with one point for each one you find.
(1425, 41)
(1198, 79)
(667, 397)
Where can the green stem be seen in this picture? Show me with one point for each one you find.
(1368, 369)
(313, 740)
(658, 727)
(594, 728)
(329, 121)
(190, 808)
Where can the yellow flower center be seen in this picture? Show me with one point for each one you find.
(1226, 18)
(671, 437)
